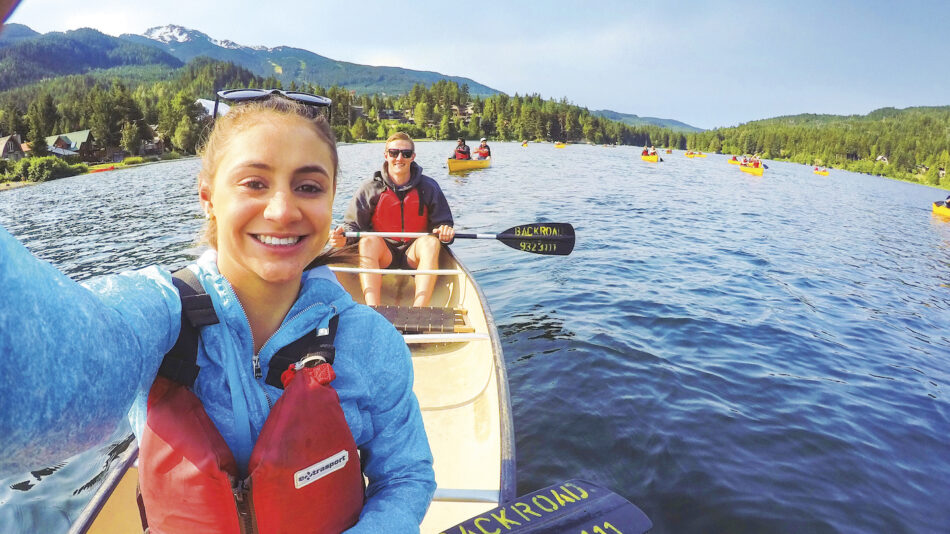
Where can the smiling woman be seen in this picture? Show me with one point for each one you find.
(240, 315)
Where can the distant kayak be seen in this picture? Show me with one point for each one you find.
(652, 159)
(109, 168)
(669, 151)
(467, 164)
(757, 171)
(559, 145)
(734, 162)
(940, 208)
(822, 173)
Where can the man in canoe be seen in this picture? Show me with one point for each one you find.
(249, 419)
(398, 198)
(483, 152)
(461, 151)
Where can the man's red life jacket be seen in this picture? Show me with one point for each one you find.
(408, 214)
(461, 154)
(304, 471)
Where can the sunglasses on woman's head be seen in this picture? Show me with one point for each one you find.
(237, 96)
(394, 152)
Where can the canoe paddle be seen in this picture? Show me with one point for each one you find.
(573, 507)
(549, 239)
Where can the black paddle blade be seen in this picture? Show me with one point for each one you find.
(572, 507)
(549, 239)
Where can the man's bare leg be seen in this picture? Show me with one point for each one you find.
(374, 254)
(424, 254)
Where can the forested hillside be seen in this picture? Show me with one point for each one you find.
(909, 144)
(25, 60)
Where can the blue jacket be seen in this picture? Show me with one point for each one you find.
(78, 358)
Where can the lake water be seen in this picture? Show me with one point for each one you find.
(731, 353)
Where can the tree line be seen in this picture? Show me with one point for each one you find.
(118, 104)
(911, 144)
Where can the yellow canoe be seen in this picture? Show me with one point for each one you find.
(652, 159)
(757, 171)
(559, 145)
(821, 173)
(734, 162)
(462, 387)
(468, 164)
(669, 151)
(699, 155)
(941, 209)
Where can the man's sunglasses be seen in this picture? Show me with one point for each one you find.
(237, 96)
(406, 152)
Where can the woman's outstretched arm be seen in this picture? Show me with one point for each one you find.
(73, 356)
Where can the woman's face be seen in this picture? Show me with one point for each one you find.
(272, 199)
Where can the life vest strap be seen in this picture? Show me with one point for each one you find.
(197, 310)
(314, 343)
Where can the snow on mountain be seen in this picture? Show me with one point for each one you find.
(171, 34)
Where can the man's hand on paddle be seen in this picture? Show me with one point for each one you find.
(445, 233)
(337, 239)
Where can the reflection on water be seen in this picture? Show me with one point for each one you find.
(732, 353)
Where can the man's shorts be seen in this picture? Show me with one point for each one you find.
(398, 250)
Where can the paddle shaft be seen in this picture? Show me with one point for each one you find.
(417, 235)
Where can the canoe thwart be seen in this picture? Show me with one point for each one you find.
(426, 319)
(467, 495)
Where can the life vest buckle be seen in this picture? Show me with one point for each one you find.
(310, 360)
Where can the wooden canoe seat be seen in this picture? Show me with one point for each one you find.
(426, 320)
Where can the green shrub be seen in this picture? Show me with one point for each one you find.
(133, 160)
(150, 159)
(48, 168)
(20, 171)
(79, 168)
(171, 155)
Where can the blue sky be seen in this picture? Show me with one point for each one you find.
(707, 64)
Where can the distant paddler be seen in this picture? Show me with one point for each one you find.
(483, 151)
(461, 150)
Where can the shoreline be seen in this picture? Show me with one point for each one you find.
(7, 186)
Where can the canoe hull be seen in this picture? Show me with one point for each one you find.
(943, 211)
(821, 173)
(463, 394)
(755, 171)
(456, 165)
(652, 159)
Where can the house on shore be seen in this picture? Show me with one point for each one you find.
(11, 148)
(73, 143)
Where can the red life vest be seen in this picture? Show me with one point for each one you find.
(304, 471)
(484, 152)
(407, 215)
(461, 154)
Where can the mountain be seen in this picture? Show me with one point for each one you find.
(10, 33)
(294, 64)
(635, 120)
(28, 59)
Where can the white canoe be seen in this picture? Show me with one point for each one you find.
(462, 387)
